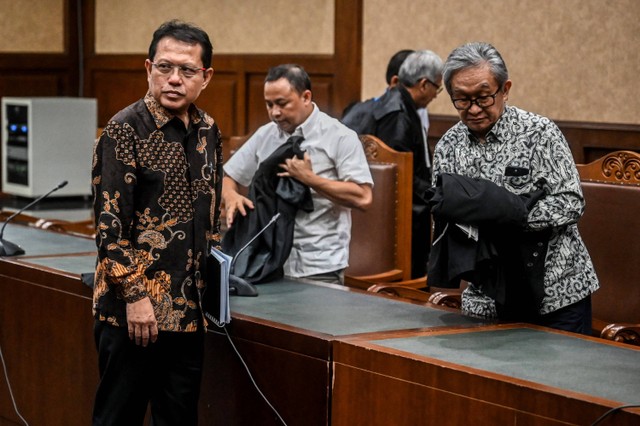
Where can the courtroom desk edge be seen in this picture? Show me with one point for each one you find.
(21, 269)
(274, 334)
(472, 383)
(311, 342)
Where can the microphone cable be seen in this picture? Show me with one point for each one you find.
(255, 385)
(613, 410)
(13, 400)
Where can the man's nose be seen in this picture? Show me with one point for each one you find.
(474, 109)
(175, 77)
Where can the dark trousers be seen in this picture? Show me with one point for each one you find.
(575, 317)
(166, 374)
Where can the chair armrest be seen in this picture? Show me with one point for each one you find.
(401, 291)
(383, 277)
(449, 299)
(625, 333)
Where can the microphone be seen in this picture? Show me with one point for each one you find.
(8, 248)
(237, 285)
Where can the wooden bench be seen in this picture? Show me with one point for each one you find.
(609, 228)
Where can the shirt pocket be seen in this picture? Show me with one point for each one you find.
(517, 176)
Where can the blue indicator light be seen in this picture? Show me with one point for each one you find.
(13, 127)
(24, 128)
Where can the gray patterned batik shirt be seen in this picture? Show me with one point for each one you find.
(526, 140)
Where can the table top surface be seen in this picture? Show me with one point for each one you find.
(338, 311)
(39, 242)
(554, 359)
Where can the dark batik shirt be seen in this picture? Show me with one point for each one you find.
(536, 148)
(157, 192)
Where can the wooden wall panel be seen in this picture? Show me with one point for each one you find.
(27, 85)
(115, 89)
(219, 99)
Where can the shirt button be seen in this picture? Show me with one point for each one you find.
(535, 254)
(530, 264)
(540, 244)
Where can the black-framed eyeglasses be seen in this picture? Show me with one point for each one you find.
(438, 88)
(184, 70)
(481, 101)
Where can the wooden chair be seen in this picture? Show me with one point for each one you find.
(380, 249)
(401, 292)
(85, 228)
(448, 299)
(609, 228)
(232, 145)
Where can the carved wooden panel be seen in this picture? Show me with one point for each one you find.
(622, 167)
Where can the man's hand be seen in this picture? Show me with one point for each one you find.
(233, 200)
(299, 169)
(344, 193)
(141, 322)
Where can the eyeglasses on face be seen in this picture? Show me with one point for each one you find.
(482, 101)
(185, 71)
(438, 88)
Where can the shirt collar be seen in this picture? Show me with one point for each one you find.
(306, 127)
(162, 116)
(499, 128)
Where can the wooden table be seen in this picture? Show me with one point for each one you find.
(286, 337)
(496, 375)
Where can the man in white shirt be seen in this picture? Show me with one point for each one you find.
(334, 167)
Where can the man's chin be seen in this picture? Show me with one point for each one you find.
(285, 127)
(477, 127)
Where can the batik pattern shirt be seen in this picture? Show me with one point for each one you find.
(157, 186)
(522, 150)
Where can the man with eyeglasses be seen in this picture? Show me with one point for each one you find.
(396, 121)
(540, 271)
(157, 180)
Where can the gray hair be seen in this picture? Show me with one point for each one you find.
(418, 65)
(472, 55)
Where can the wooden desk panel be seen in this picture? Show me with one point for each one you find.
(46, 336)
(475, 377)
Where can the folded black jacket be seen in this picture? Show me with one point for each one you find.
(506, 260)
(264, 258)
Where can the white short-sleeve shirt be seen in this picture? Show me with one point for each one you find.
(321, 237)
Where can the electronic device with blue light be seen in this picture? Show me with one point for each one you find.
(46, 140)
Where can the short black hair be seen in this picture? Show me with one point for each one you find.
(184, 32)
(393, 67)
(295, 74)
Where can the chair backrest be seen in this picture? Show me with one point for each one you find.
(381, 236)
(232, 145)
(609, 228)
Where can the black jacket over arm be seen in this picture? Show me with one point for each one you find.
(263, 260)
(506, 260)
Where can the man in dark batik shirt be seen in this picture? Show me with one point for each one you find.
(157, 180)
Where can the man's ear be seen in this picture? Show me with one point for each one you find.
(505, 91)
(306, 96)
(208, 73)
(148, 65)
